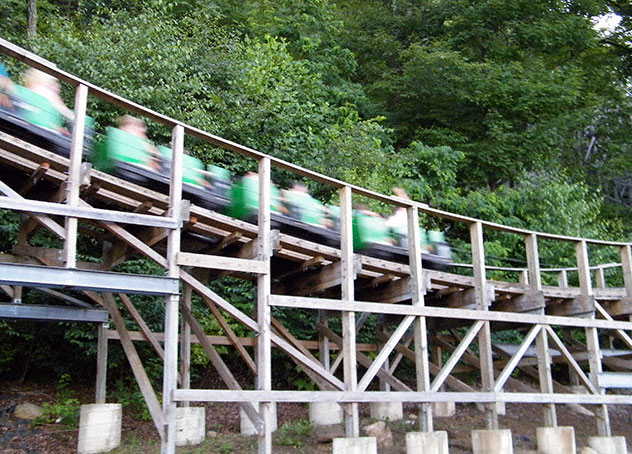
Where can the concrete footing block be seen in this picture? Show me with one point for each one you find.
(360, 445)
(427, 442)
(492, 441)
(393, 411)
(325, 413)
(190, 425)
(555, 440)
(443, 409)
(608, 445)
(99, 428)
(248, 428)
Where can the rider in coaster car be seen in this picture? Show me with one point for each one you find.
(6, 86)
(48, 87)
(136, 127)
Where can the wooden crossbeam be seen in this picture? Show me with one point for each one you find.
(147, 333)
(366, 362)
(42, 219)
(456, 355)
(219, 364)
(231, 335)
(513, 362)
(33, 178)
(134, 360)
(379, 361)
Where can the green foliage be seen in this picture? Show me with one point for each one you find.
(226, 448)
(127, 393)
(65, 409)
(293, 434)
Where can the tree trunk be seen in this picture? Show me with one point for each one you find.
(31, 28)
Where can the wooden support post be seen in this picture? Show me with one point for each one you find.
(102, 363)
(626, 265)
(562, 282)
(352, 419)
(323, 341)
(170, 370)
(592, 337)
(484, 335)
(542, 344)
(74, 174)
(185, 344)
(562, 279)
(422, 368)
(264, 341)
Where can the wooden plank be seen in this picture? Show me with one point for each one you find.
(44, 220)
(74, 174)
(219, 365)
(513, 362)
(544, 359)
(219, 262)
(231, 335)
(102, 364)
(316, 281)
(396, 291)
(33, 178)
(579, 306)
(366, 362)
(439, 312)
(592, 336)
(135, 363)
(615, 380)
(456, 355)
(383, 355)
(54, 209)
(530, 301)
(200, 395)
(418, 290)
(170, 369)
(352, 420)
(300, 345)
(148, 335)
(571, 360)
(264, 341)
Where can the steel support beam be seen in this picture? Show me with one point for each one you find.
(100, 281)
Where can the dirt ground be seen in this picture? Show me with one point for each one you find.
(222, 424)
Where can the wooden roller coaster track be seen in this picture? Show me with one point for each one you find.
(195, 246)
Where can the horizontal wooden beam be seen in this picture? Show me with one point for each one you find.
(57, 209)
(138, 336)
(615, 380)
(580, 305)
(219, 262)
(203, 395)
(425, 311)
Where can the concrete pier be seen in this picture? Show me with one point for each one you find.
(325, 413)
(393, 411)
(190, 425)
(555, 440)
(427, 442)
(361, 445)
(608, 445)
(492, 441)
(99, 428)
(247, 427)
(443, 409)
